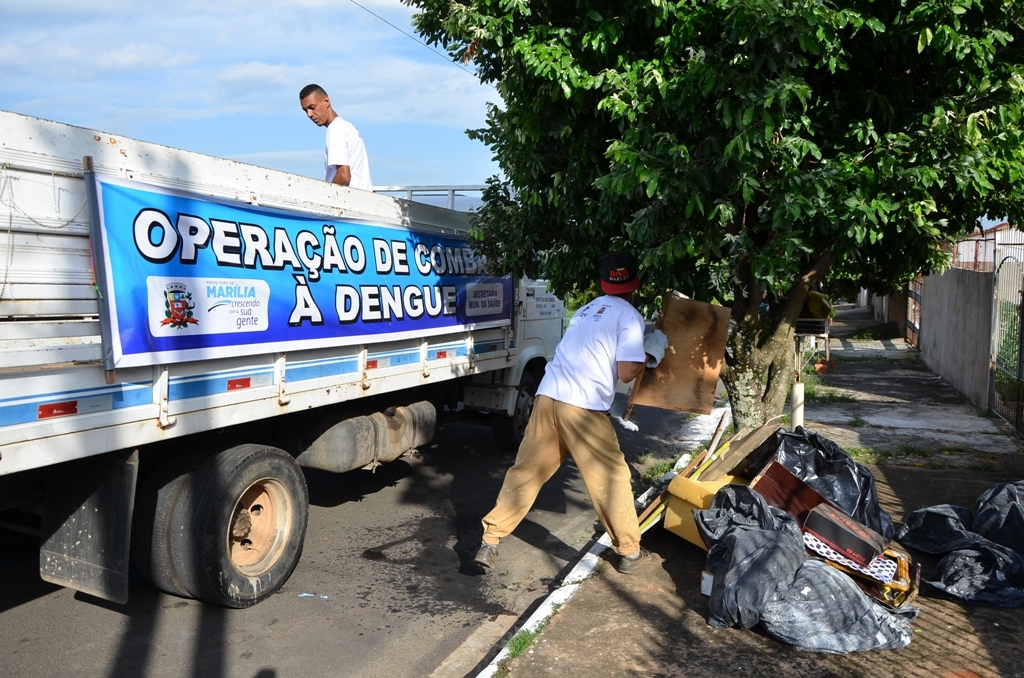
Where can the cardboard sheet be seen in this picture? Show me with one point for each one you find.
(688, 375)
(734, 461)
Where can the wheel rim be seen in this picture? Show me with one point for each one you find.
(524, 408)
(260, 525)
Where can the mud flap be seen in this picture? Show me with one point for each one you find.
(87, 526)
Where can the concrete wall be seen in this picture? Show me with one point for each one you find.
(956, 330)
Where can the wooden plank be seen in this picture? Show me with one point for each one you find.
(69, 292)
(695, 462)
(55, 240)
(51, 355)
(687, 377)
(46, 225)
(38, 308)
(27, 331)
(737, 456)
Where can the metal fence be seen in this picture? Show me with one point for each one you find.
(463, 198)
(976, 254)
(1007, 393)
(983, 253)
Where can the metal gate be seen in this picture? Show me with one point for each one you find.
(915, 301)
(1007, 345)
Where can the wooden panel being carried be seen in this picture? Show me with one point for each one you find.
(688, 375)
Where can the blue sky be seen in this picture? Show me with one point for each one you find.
(222, 78)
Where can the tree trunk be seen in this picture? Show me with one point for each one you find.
(759, 368)
(758, 380)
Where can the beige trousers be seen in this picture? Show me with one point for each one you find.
(556, 429)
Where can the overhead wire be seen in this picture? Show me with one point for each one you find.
(415, 39)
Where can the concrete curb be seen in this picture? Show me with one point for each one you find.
(697, 431)
(560, 596)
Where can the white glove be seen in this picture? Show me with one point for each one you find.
(618, 409)
(654, 346)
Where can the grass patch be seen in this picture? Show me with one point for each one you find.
(857, 422)
(881, 331)
(868, 455)
(828, 396)
(918, 456)
(645, 457)
(910, 451)
(656, 471)
(520, 643)
(814, 392)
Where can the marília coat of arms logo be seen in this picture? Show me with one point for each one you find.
(178, 306)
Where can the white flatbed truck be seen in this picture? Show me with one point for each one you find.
(181, 334)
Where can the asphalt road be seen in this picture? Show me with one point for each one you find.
(385, 586)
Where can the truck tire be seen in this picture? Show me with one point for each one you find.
(509, 431)
(153, 525)
(246, 514)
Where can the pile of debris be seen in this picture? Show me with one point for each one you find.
(798, 544)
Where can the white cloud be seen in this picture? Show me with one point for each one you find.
(132, 67)
(136, 58)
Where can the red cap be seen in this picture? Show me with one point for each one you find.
(618, 273)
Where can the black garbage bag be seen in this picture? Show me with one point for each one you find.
(987, 573)
(762, 575)
(736, 507)
(824, 466)
(752, 549)
(938, 529)
(984, 561)
(825, 611)
(999, 515)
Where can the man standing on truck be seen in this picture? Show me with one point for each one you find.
(345, 161)
(604, 342)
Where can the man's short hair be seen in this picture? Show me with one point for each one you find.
(312, 89)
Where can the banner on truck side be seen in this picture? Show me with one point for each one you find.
(187, 277)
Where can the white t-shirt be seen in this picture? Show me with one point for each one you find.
(344, 146)
(583, 373)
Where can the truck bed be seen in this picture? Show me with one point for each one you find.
(60, 399)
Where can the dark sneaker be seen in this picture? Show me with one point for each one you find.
(486, 555)
(634, 561)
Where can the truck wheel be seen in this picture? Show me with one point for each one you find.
(153, 525)
(248, 508)
(509, 431)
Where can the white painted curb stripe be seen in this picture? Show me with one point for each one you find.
(694, 433)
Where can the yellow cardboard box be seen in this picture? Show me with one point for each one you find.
(685, 495)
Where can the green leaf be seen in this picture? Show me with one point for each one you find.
(728, 144)
(924, 39)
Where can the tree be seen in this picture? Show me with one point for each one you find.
(744, 149)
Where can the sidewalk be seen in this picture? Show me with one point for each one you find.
(924, 444)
